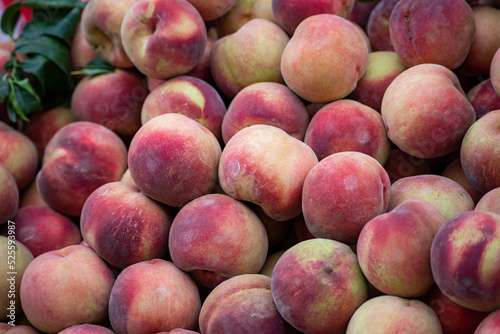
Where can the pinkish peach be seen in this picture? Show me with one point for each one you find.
(9, 195)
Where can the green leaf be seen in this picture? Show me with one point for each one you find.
(4, 90)
(47, 73)
(25, 99)
(95, 67)
(65, 28)
(51, 48)
(11, 113)
(10, 17)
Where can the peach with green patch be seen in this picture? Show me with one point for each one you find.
(163, 39)
(426, 112)
(78, 159)
(325, 58)
(83, 281)
(342, 193)
(188, 96)
(392, 314)
(383, 67)
(101, 23)
(242, 304)
(394, 248)
(173, 159)
(242, 12)
(266, 103)
(317, 285)
(264, 165)
(9, 195)
(151, 297)
(250, 55)
(124, 226)
(347, 125)
(465, 262)
(215, 237)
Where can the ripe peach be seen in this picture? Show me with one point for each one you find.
(400, 164)
(17, 329)
(242, 12)
(9, 195)
(495, 71)
(86, 329)
(490, 201)
(31, 196)
(377, 27)
(491, 324)
(81, 51)
(483, 98)
(213, 9)
(455, 172)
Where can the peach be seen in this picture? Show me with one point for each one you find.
(392, 314)
(215, 237)
(9, 195)
(486, 40)
(78, 159)
(383, 67)
(480, 153)
(123, 225)
(151, 297)
(465, 262)
(266, 103)
(495, 71)
(301, 230)
(394, 248)
(31, 196)
(83, 282)
(290, 13)
(86, 329)
(42, 229)
(264, 165)
(101, 22)
(242, 12)
(113, 100)
(317, 285)
(400, 164)
(483, 98)
(43, 126)
(490, 201)
(377, 27)
(213, 9)
(490, 324)
(455, 172)
(17, 329)
(15, 258)
(250, 55)
(276, 230)
(268, 267)
(324, 59)
(425, 111)
(449, 197)
(179, 331)
(81, 51)
(202, 68)
(242, 304)
(361, 12)
(163, 38)
(173, 159)
(18, 154)
(453, 317)
(188, 96)
(428, 31)
(342, 193)
(347, 125)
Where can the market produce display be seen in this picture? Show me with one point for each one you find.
(250, 166)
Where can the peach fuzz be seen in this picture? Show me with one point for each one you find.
(290, 13)
(188, 96)
(324, 59)
(113, 100)
(163, 39)
(266, 103)
(243, 303)
(383, 67)
(83, 282)
(453, 317)
(394, 248)
(9, 195)
(152, 297)
(78, 159)
(342, 193)
(212, 9)
(465, 262)
(392, 314)
(123, 225)
(317, 285)
(490, 201)
(400, 164)
(428, 31)
(425, 111)
(242, 12)
(15, 257)
(101, 21)
(377, 26)
(250, 55)
(86, 329)
(480, 152)
(483, 98)
(449, 197)
(264, 165)
(347, 125)
(173, 159)
(42, 229)
(215, 237)
(491, 324)
(18, 154)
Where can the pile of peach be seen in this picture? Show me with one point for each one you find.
(267, 166)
